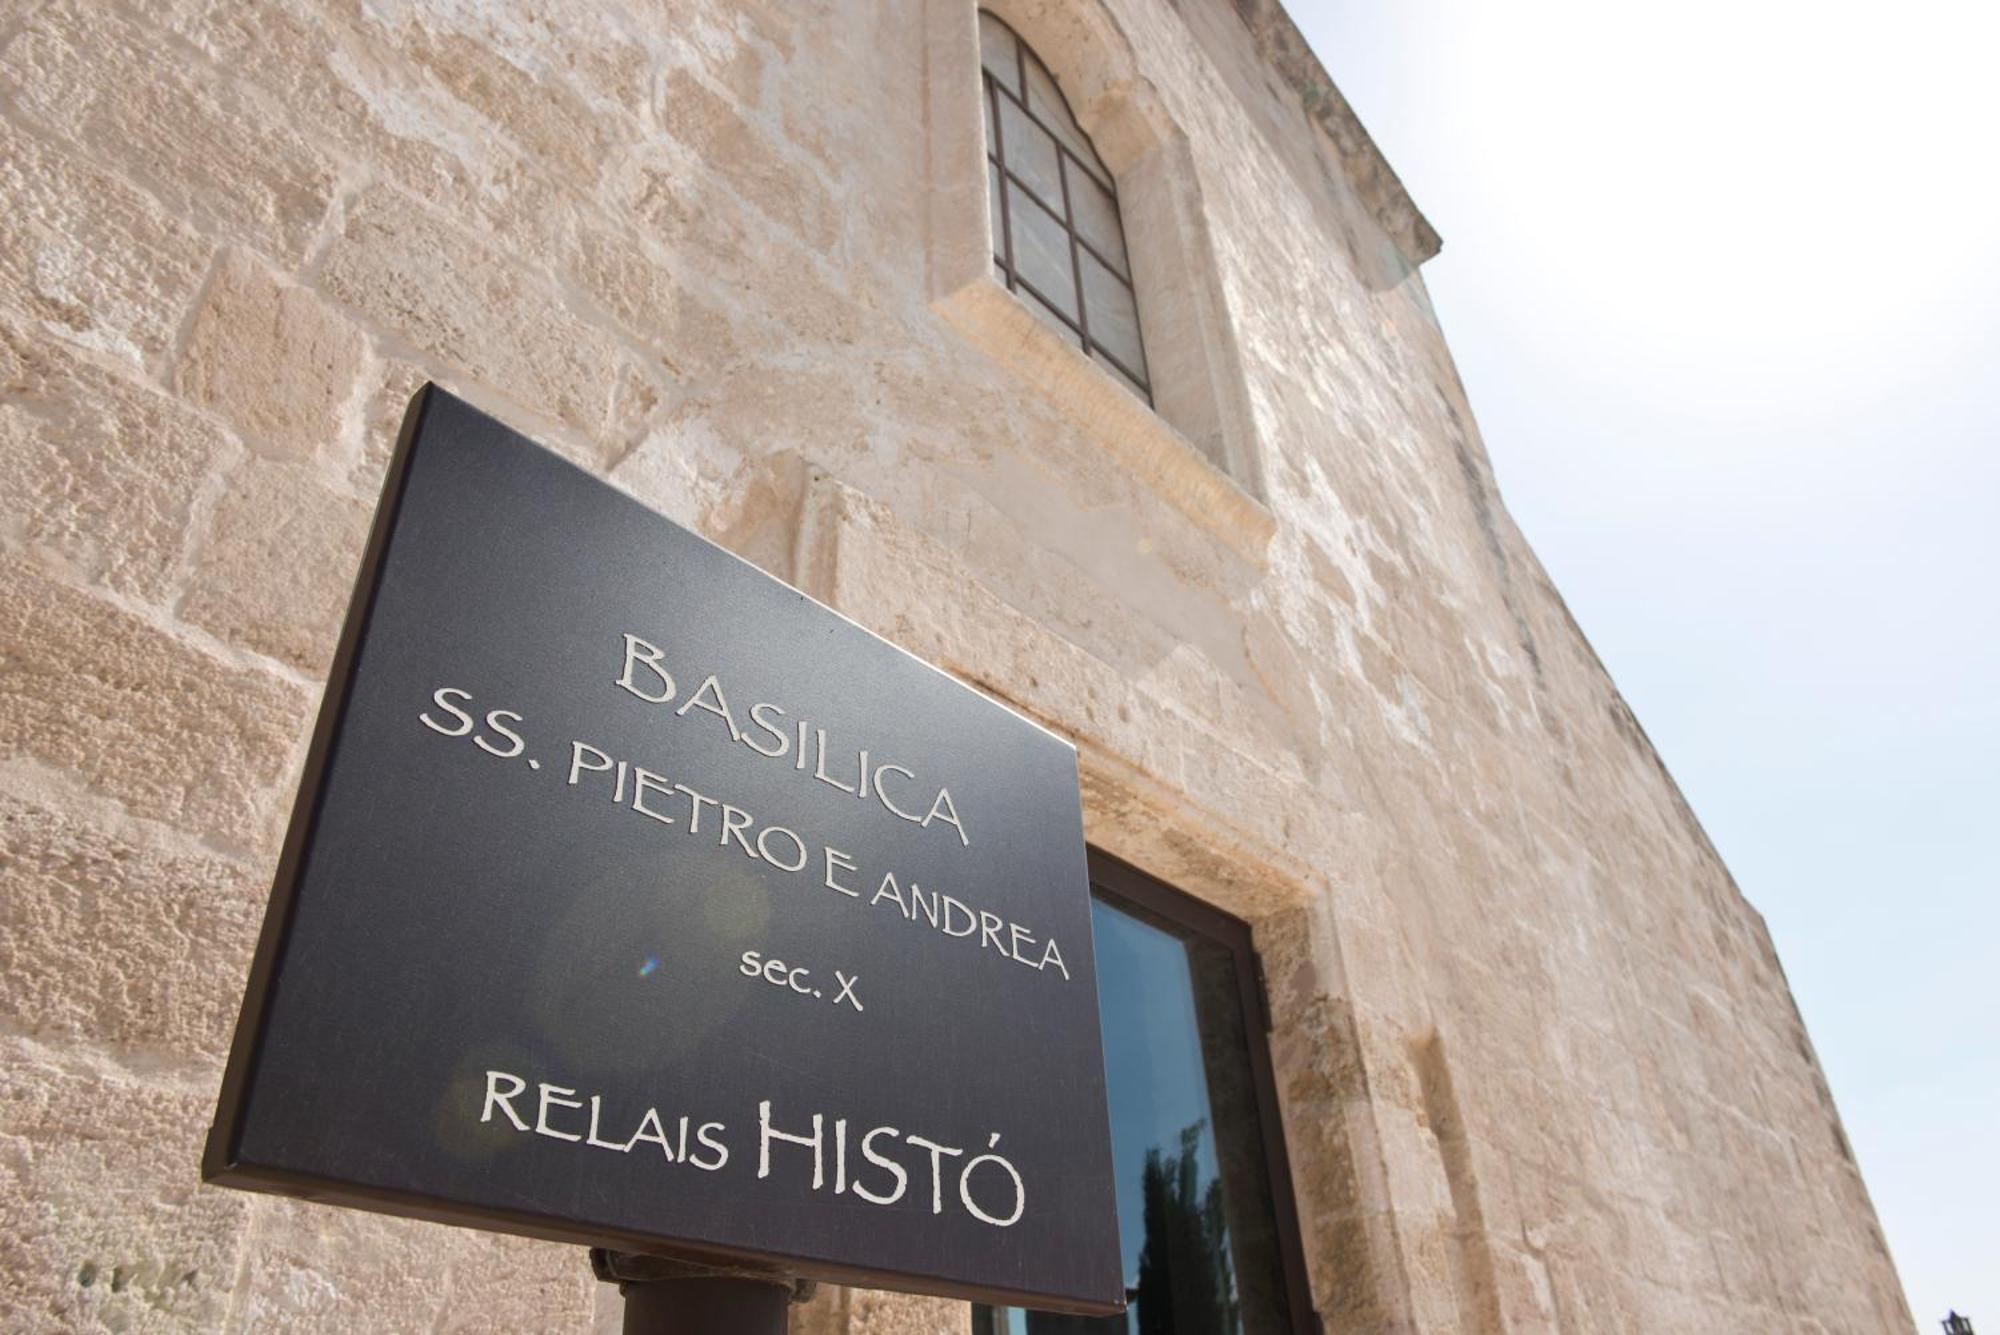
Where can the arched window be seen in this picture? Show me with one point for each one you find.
(1058, 243)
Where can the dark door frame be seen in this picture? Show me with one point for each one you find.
(1121, 881)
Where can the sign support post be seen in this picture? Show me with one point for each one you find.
(664, 1296)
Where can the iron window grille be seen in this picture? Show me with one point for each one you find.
(1058, 238)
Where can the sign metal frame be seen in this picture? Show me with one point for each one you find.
(265, 1137)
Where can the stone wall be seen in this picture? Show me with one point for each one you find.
(1539, 1066)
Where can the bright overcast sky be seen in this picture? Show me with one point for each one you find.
(1723, 281)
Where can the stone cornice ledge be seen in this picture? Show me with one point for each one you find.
(1285, 49)
(1166, 461)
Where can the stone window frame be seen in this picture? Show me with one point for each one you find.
(1196, 446)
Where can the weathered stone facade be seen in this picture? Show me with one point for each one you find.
(1538, 1064)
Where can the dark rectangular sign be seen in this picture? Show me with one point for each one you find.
(633, 898)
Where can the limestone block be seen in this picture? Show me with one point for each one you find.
(198, 143)
(390, 384)
(824, 1314)
(607, 1315)
(1414, 1166)
(277, 566)
(103, 1223)
(394, 383)
(653, 303)
(1434, 1301)
(97, 468)
(1492, 1182)
(718, 136)
(450, 294)
(756, 513)
(823, 305)
(683, 470)
(129, 939)
(274, 360)
(330, 70)
(1521, 1287)
(141, 715)
(1592, 1294)
(1317, 1066)
(835, 1310)
(1110, 420)
(1378, 967)
(1098, 577)
(552, 124)
(589, 62)
(873, 1312)
(89, 257)
(808, 410)
(652, 189)
(324, 1268)
(915, 591)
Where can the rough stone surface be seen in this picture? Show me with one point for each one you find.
(103, 1223)
(458, 299)
(89, 256)
(1536, 1059)
(131, 937)
(277, 566)
(100, 470)
(271, 359)
(183, 130)
(320, 1268)
(175, 732)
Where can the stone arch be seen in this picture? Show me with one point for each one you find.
(1092, 59)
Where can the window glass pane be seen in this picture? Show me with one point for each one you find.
(1047, 104)
(993, 212)
(1114, 320)
(1050, 318)
(1029, 152)
(1041, 250)
(1121, 377)
(1162, 1142)
(1183, 1103)
(996, 51)
(1197, 1229)
(1096, 215)
(986, 96)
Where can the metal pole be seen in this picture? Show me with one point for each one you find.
(664, 1296)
